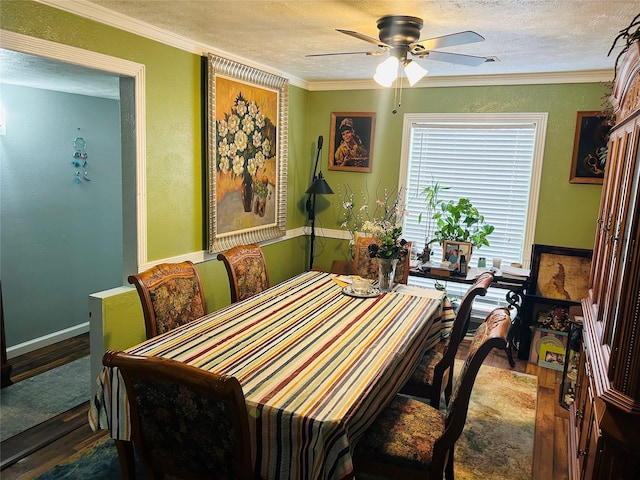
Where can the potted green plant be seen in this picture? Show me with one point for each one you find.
(431, 193)
(462, 222)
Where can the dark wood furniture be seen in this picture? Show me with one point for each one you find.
(516, 290)
(604, 430)
(171, 295)
(562, 262)
(185, 421)
(411, 439)
(306, 354)
(567, 394)
(247, 270)
(4, 364)
(434, 373)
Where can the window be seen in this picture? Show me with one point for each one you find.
(495, 160)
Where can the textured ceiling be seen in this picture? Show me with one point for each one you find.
(527, 36)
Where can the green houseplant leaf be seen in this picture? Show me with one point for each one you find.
(462, 222)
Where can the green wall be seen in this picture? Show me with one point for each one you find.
(567, 212)
(175, 174)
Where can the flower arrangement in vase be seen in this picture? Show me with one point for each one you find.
(383, 225)
(245, 140)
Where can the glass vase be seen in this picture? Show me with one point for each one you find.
(386, 273)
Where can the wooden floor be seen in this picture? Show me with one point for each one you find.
(69, 433)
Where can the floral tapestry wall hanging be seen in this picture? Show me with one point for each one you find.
(246, 154)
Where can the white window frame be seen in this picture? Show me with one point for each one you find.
(537, 118)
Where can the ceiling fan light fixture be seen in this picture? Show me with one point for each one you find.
(414, 72)
(387, 72)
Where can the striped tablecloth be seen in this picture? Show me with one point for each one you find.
(316, 367)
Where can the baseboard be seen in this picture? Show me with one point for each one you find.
(47, 340)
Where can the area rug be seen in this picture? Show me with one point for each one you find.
(99, 462)
(34, 400)
(497, 442)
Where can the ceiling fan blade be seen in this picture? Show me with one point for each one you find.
(454, 39)
(344, 53)
(456, 58)
(366, 38)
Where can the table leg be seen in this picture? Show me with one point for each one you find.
(127, 464)
(514, 298)
(511, 344)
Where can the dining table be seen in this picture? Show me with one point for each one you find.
(316, 362)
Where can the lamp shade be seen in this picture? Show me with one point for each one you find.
(319, 186)
(387, 72)
(414, 72)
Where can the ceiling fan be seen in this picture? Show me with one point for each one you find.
(399, 35)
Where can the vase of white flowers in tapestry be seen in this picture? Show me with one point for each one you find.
(386, 273)
(246, 192)
(245, 141)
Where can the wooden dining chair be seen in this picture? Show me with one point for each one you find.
(247, 271)
(171, 295)
(364, 265)
(403, 266)
(434, 373)
(413, 440)
(367, 267)
(185, 421)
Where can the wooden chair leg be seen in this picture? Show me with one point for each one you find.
(448, 468)
(127, 463)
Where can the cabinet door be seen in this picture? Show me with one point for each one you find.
(592, 457)
(609, 204)
(585, 419)
(623, 322)
(621, 216)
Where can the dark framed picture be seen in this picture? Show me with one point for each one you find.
(453, 251)
(246, 154)
(351, 141)
(591, 137)
(560, 272)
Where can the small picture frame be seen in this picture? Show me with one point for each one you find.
(452, 252)
(351, 141)
(548, 348)
(591, 136)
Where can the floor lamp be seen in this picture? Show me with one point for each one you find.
(318, 186)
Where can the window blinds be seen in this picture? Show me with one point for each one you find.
(490, 164)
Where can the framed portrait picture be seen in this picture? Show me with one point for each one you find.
(453, 251)
(351, 141)
(246, 154)
(591, 137)
(560, 272)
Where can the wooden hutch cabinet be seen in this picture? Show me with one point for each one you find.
(604, 434)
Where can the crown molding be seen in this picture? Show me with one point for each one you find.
(588, 76)
(99, 14)
(105, 16)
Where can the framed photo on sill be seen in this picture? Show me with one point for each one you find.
(351, 141)
(452, 252)
(591, 136)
